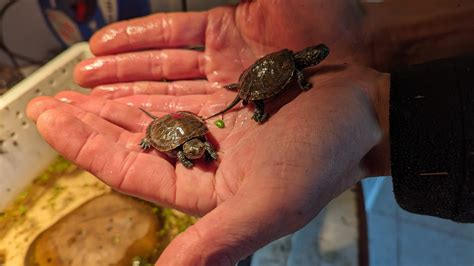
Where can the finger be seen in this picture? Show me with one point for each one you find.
(224, 236)
(167, 103)
(200, 104)
(185, 87)
(41, 104)
(122, 115)
(139, 174)
(38, 105)
(117, 134)
(155, 31)
(147, 65)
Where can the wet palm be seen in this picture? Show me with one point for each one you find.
(271, 179)
(285, 170)
(234, 37)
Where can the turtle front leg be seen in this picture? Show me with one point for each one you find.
(182, 158)
(211, 153)
(304, 84)
(259, 115)
(145, 144)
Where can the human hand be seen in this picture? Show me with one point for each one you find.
(245, 210)
(378, 35)
(233, 37)
(271, 179)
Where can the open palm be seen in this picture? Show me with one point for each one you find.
(270, 179)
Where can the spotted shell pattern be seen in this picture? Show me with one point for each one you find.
(172, 130)
(268, 76)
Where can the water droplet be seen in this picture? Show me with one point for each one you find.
(94, 65)
(65, 100)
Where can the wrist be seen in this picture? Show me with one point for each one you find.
(377, 161)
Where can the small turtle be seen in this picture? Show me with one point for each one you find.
(271, 74)
(181, 135)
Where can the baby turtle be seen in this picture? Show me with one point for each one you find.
(181, 135)
(271, 74)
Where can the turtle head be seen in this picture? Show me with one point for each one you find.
(311, 56)
(193, 149)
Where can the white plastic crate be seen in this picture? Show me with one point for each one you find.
(23, 153)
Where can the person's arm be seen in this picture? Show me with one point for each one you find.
(400, 34)
(410, 32)
(426, 114)
(432, 138)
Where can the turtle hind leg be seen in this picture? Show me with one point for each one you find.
(232, 87)
(211, 154)
(145, 144)
(304, 84)
(185, 161)
(259, 115)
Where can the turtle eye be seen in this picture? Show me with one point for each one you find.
(193, 149)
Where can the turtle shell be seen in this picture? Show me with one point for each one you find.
(172, 130)
(268, 76)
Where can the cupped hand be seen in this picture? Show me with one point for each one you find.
(271, 179)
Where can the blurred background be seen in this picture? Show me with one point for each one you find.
(37, 30)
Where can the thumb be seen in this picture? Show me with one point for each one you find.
(232, 231)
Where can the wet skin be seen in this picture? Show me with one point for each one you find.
(273, 181)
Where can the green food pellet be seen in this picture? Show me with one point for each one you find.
(220, 123)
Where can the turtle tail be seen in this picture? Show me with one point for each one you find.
(148, 114)
(232, 104)
(232, 87)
